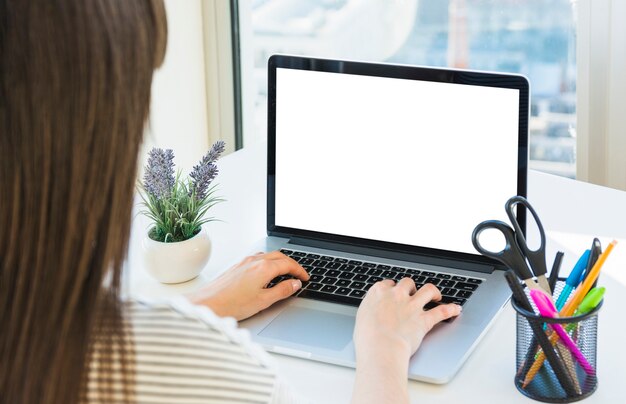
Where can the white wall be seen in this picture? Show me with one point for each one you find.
(178, 118)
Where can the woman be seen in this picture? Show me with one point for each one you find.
(74, 97)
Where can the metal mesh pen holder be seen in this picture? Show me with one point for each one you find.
(559, 377)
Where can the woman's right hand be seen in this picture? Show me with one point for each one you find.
(394, 314)
(390, 325)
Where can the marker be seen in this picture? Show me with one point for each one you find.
(590, 302)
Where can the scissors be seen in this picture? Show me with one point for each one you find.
(516, 252)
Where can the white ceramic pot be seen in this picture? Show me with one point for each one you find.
(176, 262)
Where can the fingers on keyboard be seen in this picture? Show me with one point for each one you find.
(346, 281)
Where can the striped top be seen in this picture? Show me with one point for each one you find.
(186, 354)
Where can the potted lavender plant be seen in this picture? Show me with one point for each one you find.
(177, 247)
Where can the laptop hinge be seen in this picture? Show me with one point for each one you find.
(391, 254)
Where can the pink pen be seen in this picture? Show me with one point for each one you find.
(547, 309)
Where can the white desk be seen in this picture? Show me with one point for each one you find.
(572, 213)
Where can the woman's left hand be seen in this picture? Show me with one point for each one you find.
(240, 292)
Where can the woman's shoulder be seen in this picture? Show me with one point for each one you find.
(184, 353)
(181, 348)
(185, 325)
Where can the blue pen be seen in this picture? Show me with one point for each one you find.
(573, 279)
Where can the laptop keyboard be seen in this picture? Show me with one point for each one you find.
(341, 280)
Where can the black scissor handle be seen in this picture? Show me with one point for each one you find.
(536, 258)
(510, 255)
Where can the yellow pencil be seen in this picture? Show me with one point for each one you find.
(570, 308)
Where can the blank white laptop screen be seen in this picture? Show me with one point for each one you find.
(395, 160)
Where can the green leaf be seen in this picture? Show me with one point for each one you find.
(179, 216)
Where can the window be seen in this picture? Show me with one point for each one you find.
(536, 38)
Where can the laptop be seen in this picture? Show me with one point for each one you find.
(381, 171)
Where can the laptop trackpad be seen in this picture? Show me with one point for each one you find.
(311, 327)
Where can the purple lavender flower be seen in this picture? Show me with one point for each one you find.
(214, 153)
(205, 172)
(159, 175)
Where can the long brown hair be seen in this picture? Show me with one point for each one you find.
(75, 80)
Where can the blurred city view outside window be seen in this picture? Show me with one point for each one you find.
(536, 38)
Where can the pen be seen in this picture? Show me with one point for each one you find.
(574, 278)
(540, 337)
(554, 272)
(547, 309)
(571, 305)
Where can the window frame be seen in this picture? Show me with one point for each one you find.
(220, 55)
(601, 57)
(600, 88)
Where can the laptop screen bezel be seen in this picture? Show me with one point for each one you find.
(442, 75)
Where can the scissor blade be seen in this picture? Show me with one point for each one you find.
(531, 284)
(544, 284)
